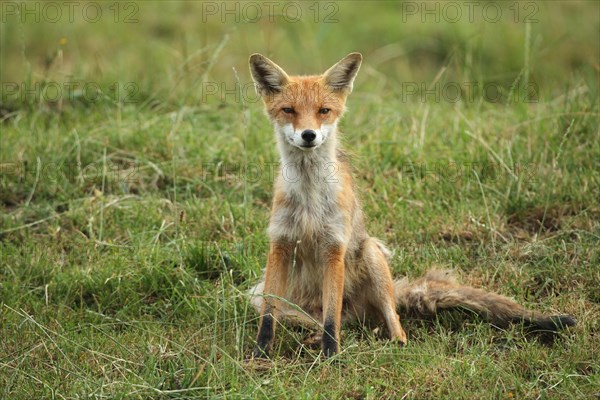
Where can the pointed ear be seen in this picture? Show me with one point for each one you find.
(268, 77)
(341, 76)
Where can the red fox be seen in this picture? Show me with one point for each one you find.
(322, 267)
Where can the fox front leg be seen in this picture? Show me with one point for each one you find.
(333, 293)
(276, 273)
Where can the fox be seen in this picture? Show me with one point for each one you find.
(323, 269)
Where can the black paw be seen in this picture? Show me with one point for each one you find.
(329, 341)
(260, 352)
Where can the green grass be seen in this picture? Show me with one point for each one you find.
(132, 225)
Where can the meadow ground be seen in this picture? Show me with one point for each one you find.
(136, 169)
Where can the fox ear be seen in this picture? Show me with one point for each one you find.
(341, 76)
(268, 77)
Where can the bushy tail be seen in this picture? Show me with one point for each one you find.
(439, 290)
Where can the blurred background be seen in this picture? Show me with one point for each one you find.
(172, 50)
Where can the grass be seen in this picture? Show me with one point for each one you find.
(134, 215)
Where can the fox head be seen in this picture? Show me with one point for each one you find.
(304, 109)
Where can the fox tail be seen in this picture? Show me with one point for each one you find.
(439, 290)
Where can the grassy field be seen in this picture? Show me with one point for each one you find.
(136, 170)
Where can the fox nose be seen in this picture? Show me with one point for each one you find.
(309, 135)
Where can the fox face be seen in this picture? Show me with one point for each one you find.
(304, 109)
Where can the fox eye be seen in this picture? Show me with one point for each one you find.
(324, 110)
(288, 110)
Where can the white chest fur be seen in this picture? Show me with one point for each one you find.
(310, 186)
